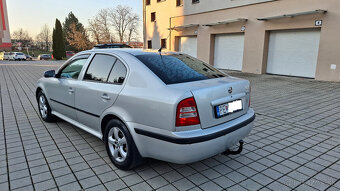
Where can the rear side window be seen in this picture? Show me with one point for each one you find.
(118, 73)
(100, 68)
(179, 68)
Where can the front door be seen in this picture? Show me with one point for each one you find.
(99, 89)
(61, 90)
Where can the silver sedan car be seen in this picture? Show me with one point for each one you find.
(143, 104)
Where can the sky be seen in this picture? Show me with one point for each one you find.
(31, 15)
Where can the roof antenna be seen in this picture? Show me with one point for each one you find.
(160, 54)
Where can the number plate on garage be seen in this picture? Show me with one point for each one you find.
(228, 108)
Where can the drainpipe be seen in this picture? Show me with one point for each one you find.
(144, 25)
(170, 34)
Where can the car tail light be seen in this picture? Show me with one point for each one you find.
(187, 113)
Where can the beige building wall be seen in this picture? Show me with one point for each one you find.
(256, 32)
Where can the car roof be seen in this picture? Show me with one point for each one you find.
(132, 51)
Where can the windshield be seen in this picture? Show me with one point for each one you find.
(179, 68)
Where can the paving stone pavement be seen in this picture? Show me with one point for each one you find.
(294, 144)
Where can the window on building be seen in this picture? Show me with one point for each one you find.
(179, 3)
(149, 44)
(147, 2)
(160, 1)
(163, 43)
(153, 16)
(195, 1)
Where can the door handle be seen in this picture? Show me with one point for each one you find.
(71, 90)
(105, 97)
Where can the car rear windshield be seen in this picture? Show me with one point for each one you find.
(179, 68)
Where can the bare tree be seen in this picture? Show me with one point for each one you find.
(79, 39)
(22, 36)
(133, 32)
(45, 37)
(123, 19)
(103, 20)
(100, 27)
(95, 29)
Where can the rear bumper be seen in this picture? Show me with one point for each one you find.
(191, 146)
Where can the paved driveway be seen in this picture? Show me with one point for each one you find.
(295, 143)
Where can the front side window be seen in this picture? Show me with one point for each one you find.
(179, 3)
(179, 68)
(73, 70)
(100, 68)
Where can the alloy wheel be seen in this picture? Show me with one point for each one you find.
(43, 106)
(117, 144)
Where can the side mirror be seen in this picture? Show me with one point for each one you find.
(49, 74)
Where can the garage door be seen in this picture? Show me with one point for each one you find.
(293, 53)
(228, 52)
(188, 45)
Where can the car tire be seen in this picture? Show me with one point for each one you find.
(120, 145)
(44, 108)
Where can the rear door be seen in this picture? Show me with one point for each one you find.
(99, 89)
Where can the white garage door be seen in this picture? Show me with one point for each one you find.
(188, 45)
(293, 53)
(228, 52)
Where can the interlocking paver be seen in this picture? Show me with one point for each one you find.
(224, 182)
(157, 182)
(210, 186)
(250, 184)
(115, 185)
(294, 144)
(132, 179)
(183, 184)
(90, 182)
(141, 187)
(198, 179)
(71, 186)
(42, 177)
(168, 187)
(46, 185)
(66, 179)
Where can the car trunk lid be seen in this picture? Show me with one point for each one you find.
(213, 93)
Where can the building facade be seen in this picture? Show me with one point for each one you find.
(285, 37)
(5, 37)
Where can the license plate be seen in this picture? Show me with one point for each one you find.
(228, 108)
